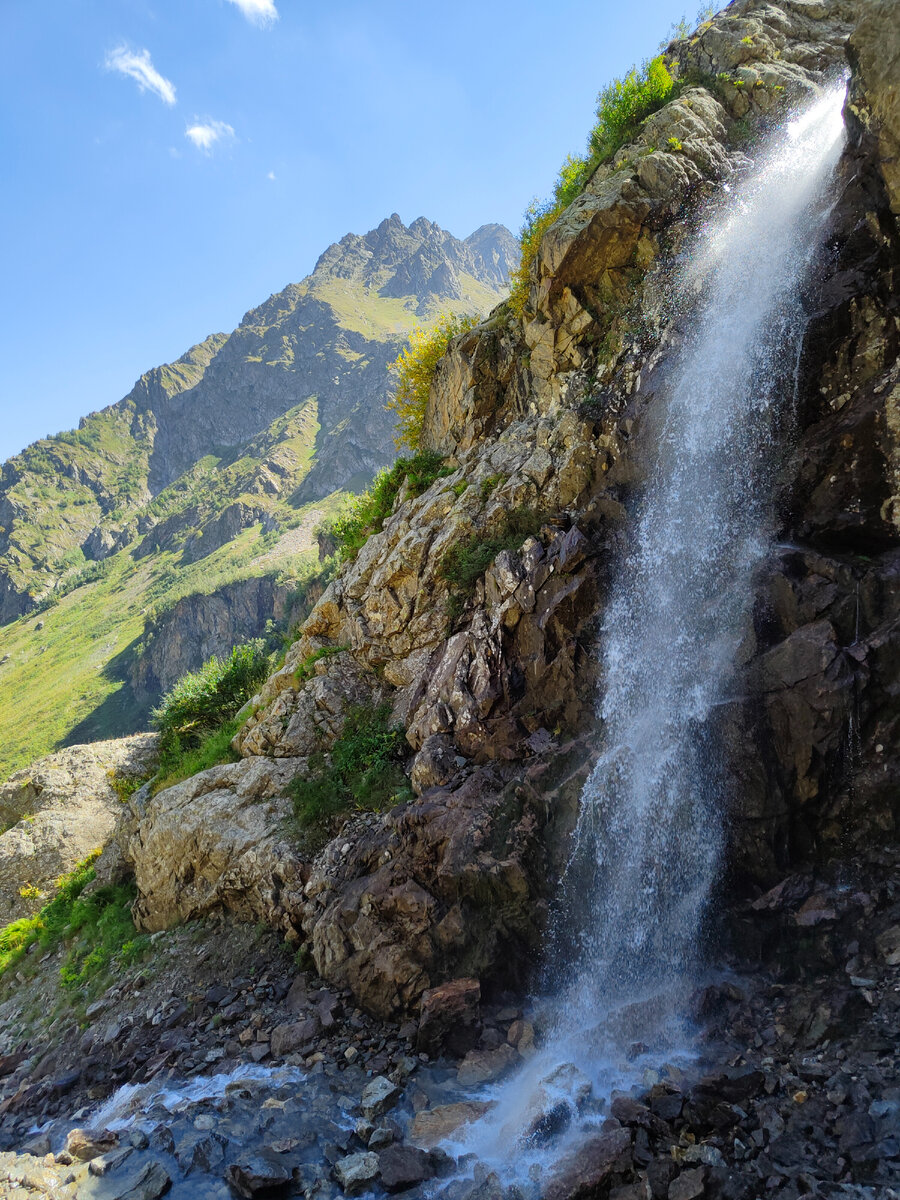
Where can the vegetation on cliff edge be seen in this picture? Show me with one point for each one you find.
(621, 108)
(97, 927)
(367, 513)
(414, 368)
(196, 718)
(364, 770)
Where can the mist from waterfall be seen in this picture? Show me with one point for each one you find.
(648, 843)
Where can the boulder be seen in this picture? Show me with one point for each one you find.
(403, 1167)
(215, 841)
(432, 1126)
(258, 1172)
(450, 1017)
(595, 1162)
(378, 1097)
(57, 812)
(357, 1172)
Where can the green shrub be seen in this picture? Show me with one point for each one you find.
(488, 485)
(202, 700)
(366, 514)
(414, 368)
(621, 108)
(623, 104)
(178, 761)
(125, 785)
(365, 772)
(465, 563)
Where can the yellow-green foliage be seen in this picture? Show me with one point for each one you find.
(538, 220)
(621, 107)
(97, 929)
(415, 367)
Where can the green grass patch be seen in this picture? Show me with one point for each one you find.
(178, 761)
(202, 700)
(365, 772)
(367, 513)
(465, 563)
(98, 929)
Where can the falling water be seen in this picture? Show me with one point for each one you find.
(649, 837)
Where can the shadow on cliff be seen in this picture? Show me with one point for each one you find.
(120, 713)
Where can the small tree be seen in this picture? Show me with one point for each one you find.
(414, 368)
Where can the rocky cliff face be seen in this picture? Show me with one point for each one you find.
(59, 811)
(200, 626)
(553, 415)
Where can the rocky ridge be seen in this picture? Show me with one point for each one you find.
(213, 471)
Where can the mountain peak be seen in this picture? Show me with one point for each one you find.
(421, 259)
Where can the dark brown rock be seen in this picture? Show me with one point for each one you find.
(403, 1167)
(257, 1173)
(449, 1019)
(590, 1167)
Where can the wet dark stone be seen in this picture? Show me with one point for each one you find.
(403, 1167)
(260, 1173)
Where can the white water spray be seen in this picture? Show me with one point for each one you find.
(648, 841)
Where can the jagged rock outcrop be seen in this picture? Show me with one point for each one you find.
(60, 810)
(552, 417)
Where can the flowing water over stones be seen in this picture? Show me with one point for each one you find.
(647, 846)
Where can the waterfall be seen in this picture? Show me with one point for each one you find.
(647, 846)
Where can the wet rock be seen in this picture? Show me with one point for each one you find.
(484, 1066)
(403, 1167)
(154, 1181)
(357, 1172)
(111, 1161)
(378, 1097)
(85, 1144)
(449, 1019)
(593, 1165)
(434, 1125)
(258, 1172)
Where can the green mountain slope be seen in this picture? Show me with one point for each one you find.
(213, 468)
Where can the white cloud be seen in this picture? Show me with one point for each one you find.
(271, 175)
(205, 133)
(260, 12)
(137, 65)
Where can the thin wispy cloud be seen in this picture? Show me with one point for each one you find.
(206, 133)
(136, 65)
(260, 12)
(271, 175)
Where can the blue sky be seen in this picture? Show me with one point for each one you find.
(168, 164)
